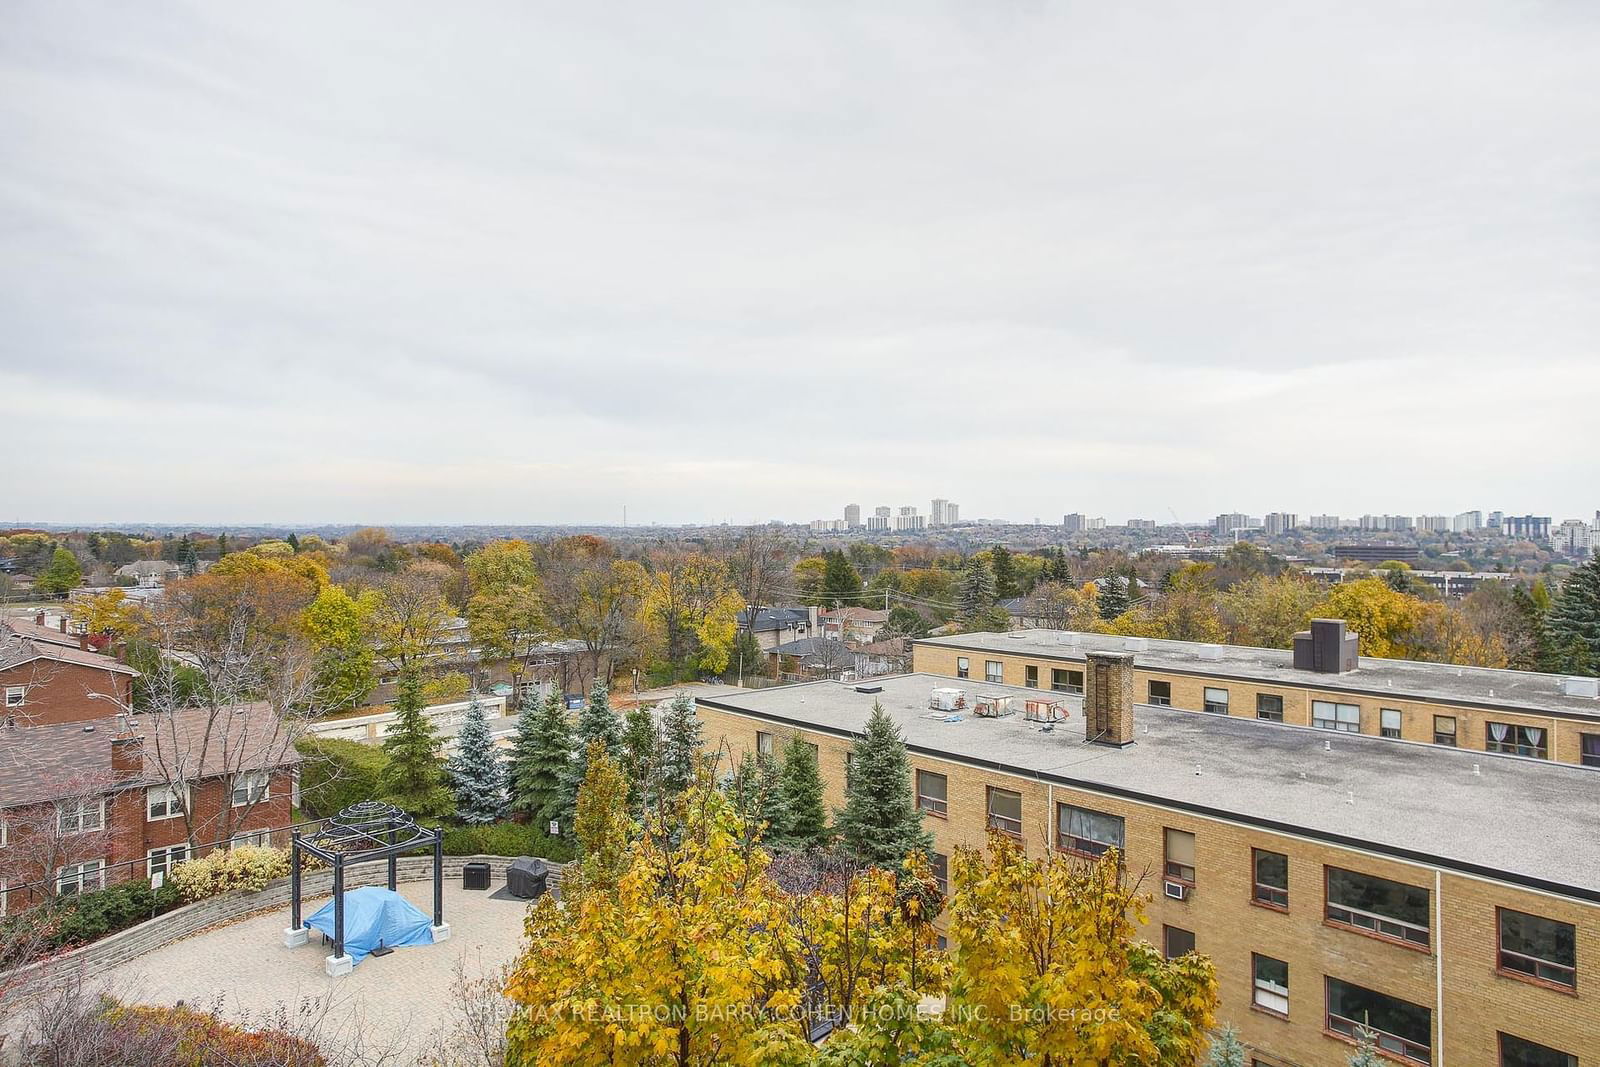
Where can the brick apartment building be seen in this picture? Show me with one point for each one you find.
(1448, 899)
(1523, 713)
(49, 676)
(86, 804)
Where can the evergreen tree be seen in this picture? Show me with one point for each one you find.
(841, 582)
(1227, 1050)
(753, 790)
(977, 588)
(476, 772)
(1060, 569)
(880, 822)
(1366, 1053)
(596, 722)
(805, 820)
(1005, 572)
(414, 777)
(905, 621)
(640, 745)
(541, 761)
(186, 556)
(680, 747)
(1573, 624)
(1112, 597)
(746, 657)
(1530, 642)
(222, 545)
(294, 542)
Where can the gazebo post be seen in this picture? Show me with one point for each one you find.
(297, 934)
(394, 867)
(441, 929)
(338, 963)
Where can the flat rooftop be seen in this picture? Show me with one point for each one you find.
(1518, 820)
(1481, 687)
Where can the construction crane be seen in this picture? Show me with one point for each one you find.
(1181, 527)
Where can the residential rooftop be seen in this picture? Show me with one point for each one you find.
(1518, 820)
(1480, 687)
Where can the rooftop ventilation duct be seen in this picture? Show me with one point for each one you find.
(1210, 652)
(1581, 687)
(1325, 648)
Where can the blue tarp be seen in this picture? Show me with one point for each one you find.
(373, 914)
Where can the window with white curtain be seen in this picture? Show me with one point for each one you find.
(1327, 715)
(1516, 740)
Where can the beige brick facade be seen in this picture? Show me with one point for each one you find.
(1564, 735)
(1478, 1002)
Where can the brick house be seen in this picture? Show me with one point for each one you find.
(47, 682)
(84, 805)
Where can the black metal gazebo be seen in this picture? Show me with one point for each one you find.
(361, 833)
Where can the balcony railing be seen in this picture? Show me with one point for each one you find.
(1542, 969)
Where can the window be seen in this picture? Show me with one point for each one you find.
(1271, 878)
(16, 695)
(250, 787)
(1161, 694)
(1536, 947)
(165, 802)
(1444, 730)
(1005, 811)
(254, 838)
(1176, 942)
(1326, 715)
(939, 863)
(1389, 722)
(963, 668)
(1087, 832)
(1591, 750)
(78, 878)
(763, 743)
(1216, 701)
(1402, 1028)
(1271, 984)
(1066, 681)
(1517, 1052)
(993, 671)
(849, 769)
(1269, 706)
(933, 793)
(1516, 740)
(162, 860)
(1378, 906)
(80, 816)
(1180, 855)
(1030, 676)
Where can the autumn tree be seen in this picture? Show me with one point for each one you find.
(1266, 612)
(686, 963)
(409, 613)
(592, 596)
(880, 821)
(1385, 619)
(692, 610)
(109, 614)
(1054, 937)
(413, 779)
(602, 824)
(335, 623)
(1188, 611)
(61, 576)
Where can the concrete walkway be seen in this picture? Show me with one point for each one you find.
(396, 1003)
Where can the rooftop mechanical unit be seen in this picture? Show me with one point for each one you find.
(947, 699)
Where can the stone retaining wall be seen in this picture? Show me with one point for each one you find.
(181, 922)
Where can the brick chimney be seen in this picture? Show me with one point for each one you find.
(127, 752)
(1108, 698)
(1326, 648)
(62, 624)
(38, 617)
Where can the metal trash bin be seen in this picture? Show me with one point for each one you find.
(527, 878)
(475, 875)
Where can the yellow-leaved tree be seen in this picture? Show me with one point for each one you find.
(1385, 618)
(687, 962)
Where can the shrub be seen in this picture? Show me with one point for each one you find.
(88, 917)
(338, 773)
(243, 867)
(506, 839)
(102, 1030)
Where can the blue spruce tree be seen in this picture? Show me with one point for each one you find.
(680, 747)
(596, 722)
(541, 759)
(479, 779)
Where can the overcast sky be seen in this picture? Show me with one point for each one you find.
(529, 262)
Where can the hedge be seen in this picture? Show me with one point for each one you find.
(338, 773)
(85, 917)
(506, 839)
(176, 1037)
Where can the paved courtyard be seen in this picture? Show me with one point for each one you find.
(400, 1001)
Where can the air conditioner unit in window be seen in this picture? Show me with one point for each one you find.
(1177, 890)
